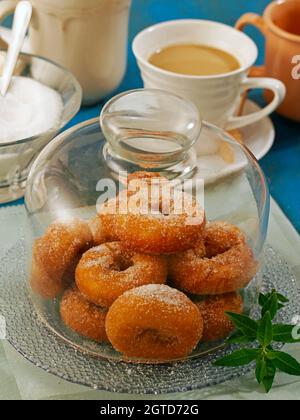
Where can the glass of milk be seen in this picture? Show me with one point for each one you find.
(42, 99)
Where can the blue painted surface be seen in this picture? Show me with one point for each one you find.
(282, 164)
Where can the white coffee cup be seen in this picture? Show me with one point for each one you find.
(88, 37)
(218, 97)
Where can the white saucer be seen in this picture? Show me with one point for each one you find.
(258, 138)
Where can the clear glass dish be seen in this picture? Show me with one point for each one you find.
(17, 157)
(64, 181)
(34, 340)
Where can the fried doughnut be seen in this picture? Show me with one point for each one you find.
(100, 235)
(224, 263)
(83, 317)
(56, 255)
(217, 324)
(150, 220)
(146, 176)
(154, 322)
(106, 272)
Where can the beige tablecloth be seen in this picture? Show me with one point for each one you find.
(21, 380)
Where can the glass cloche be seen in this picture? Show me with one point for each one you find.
(86, 261)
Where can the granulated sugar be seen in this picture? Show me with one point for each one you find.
(161, 293)
(28, 109)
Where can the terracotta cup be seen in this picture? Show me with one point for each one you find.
(280, 24)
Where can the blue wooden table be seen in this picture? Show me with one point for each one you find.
(282, 164)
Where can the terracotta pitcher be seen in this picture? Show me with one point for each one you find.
(280, 24)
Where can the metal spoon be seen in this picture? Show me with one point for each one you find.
(21, 22)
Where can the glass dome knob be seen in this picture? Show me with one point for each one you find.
(149, 128)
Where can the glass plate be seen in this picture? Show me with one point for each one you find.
(31, 337)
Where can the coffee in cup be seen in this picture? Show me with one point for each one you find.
(218, 95)
(194, 60)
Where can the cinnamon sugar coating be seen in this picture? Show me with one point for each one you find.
(154, 322)
(100, 234)
(155, 219)
(82, 316)
(56, 255)
(107, 271)
(217, 324)
(223, 263)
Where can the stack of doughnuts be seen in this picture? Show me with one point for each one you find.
(151, 283)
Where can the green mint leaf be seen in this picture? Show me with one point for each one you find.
(267, 360)
(266, 296)
(245, 324)
(269, 377)
(280, 306)
(282, 298)
(262, 300)
(238, 358)
(270, 355)
(271, 306)
(239, 338)
(283, 334)
(286, 363)
(261, 369)
(265, 330)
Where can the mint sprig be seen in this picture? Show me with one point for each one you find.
(263, 333)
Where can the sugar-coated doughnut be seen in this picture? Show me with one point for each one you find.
(217, 324)
(146, 176)
(56, 254)
(223, 263)
(100, 235)
(154, 322)
(151, 220)
(107, 271)
(83, 317)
